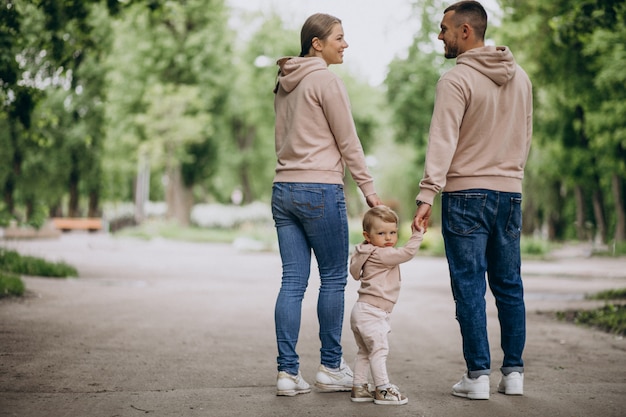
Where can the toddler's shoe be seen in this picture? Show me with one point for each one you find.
(331, 381)
(361, 394)
(389, 396)
(512, 384)
(290, 385)
(472, 388)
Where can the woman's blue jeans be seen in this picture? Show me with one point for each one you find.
(481, 231)
(310, 217)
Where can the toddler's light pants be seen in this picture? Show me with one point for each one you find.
(370, 326)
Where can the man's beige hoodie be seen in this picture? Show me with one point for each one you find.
(481, 128)
(315, 133)
(378, 269)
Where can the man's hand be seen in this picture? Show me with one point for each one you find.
(422, 216)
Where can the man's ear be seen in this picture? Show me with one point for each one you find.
(467, 30)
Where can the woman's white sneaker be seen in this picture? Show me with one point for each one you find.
(290, 385)
(512, 384)
(328, 380)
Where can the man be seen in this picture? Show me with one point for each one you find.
(479, 140)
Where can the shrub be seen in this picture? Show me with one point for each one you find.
(10, 285)
(610, 318)
(11, 261)
(619, 294)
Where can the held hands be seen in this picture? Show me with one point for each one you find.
(415, 228)
(422, 215)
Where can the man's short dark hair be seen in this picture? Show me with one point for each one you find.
(471, 12)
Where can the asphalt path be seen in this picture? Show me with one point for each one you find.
(166, 328)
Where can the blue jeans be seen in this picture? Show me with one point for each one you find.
(310, 216)
(481, 231)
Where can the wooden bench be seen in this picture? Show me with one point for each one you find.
(91, 224)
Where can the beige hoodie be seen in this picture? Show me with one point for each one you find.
(315, 133)
(378, 269)
(481, 128)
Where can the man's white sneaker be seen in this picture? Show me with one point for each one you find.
(512, 384)
(472, 388)
(290, 385)
(331, 381)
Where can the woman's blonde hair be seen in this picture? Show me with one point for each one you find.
(319, 25)
(383, 213)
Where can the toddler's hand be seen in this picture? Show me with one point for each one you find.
(419, 227)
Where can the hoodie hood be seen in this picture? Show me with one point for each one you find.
(495, 62)
(361, 253)
(293, 69)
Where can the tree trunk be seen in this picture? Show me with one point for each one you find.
(580, 213)
(246, 186)
(598, 212)
(10, 183)
(179, 198)
(554, 218)
(620, 209)
(73, 208)
(94, 203)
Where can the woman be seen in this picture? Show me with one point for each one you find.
(315, 140)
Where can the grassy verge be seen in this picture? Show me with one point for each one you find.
(12, 265)
(10, 285)
(611, 317)
(11, 261)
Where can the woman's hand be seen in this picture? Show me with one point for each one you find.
(373, 200)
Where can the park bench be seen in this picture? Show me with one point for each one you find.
(91, 224)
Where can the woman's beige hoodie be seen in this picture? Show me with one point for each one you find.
(378, 269)
(481, 128)
(315, 133)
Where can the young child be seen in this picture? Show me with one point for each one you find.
(376, 263)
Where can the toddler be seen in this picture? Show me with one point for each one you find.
(376, 263)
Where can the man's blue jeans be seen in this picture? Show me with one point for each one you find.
(481, 231)
(310, 216)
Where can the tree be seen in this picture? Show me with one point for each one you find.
(50, 46)
(181, 52)
(574, 64)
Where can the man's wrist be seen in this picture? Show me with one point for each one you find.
(420, 202)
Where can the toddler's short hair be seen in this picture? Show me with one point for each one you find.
(381, 212)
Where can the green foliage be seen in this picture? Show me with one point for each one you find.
(616, 294)
(576, 64)
(12, 262)
(10, 285)
(533, 247)
(610, 318)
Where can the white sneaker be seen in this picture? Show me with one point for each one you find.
(512, 384)
(289, 385)
(472, 388)
(332, 381)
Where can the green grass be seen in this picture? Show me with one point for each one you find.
(171, 230)
(610, 318)
(10, 285)
(13, 262)
(618, 294)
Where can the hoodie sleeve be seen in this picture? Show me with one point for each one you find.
(396, 256)
(337, 108)
(443, 138)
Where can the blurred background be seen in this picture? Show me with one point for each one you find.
(156, 116)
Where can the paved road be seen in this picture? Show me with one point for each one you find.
(181, 329)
